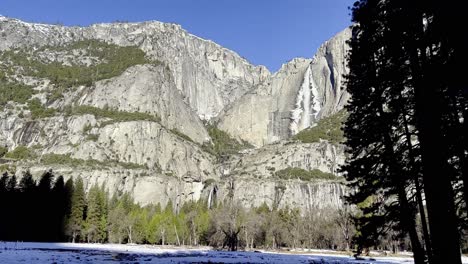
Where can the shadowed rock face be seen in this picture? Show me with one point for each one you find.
(196, 80)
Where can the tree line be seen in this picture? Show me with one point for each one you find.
(51, 210)
(407, 136)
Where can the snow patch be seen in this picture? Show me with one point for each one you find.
(19, 252)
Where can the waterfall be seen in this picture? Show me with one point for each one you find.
(307, 104)
(209, 198)
(316, 107)
(306, 92)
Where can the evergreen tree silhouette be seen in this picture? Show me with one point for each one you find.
(405, 119)
(69, 189)
(12, 226)
(59, 202)
(45, 207)
(4, 207)
(29, 212)
(427, 57)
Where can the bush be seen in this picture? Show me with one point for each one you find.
(3, 151)
(113, 61)
(50, 159)
(92, 137)
(38, 110)
(16, 92)
(175, 131)
(222, 143)
(209, 182)
(328, 128)
(305, 175)
(115, 115)
(21, 153)
(87, 128)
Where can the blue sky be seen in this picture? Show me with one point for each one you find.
(267, 32)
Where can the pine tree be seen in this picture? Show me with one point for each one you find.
(93, 215)
(11, 184)
(75, 222)
(4, 208)
(13, 225)
(428, 54)
(103, 227)
(3, 182)
(45, 224)
(69, 188)
(59, 204)
(28, 202)
(398, 51)
(96, 218)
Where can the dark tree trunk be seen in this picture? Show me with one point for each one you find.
(443, 223)
(407, 217)
(437, 183)
(417, 185)
(463, 156)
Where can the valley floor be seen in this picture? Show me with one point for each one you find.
(25, 252)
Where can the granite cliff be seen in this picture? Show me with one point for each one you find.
(72, 102)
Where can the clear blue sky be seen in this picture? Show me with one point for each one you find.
(267, 32)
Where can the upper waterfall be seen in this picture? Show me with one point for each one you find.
(307, 104)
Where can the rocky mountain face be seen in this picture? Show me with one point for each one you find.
(72, 102)
(296, 97)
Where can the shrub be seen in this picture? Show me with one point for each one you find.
(328, 128)
(92, 137)
(16, 92)
(3, 151)
(175, 131)
(113, 61)
(209, 181)
(36, 146)
(222, 143)
(305, 175)
(87, 128)
(66, 159)
(21, 153)
(115, 115)
(38, 110)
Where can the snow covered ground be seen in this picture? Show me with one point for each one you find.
(56, 253)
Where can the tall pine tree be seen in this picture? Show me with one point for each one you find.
(78, 202)
(404, 117)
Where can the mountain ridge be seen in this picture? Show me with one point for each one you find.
(186, 82)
